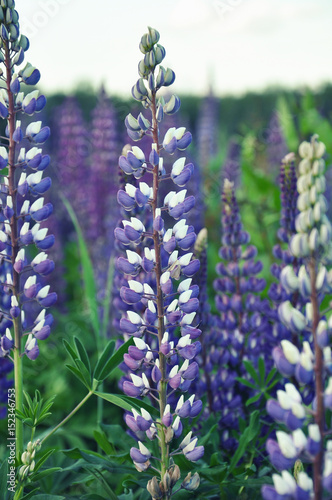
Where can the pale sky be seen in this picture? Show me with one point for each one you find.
(238, 45)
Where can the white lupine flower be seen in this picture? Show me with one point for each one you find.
(134, 318)
(43, 292)
(185, 259)
(136, 286)
(130, 190)
(184, 285)
(291, 352)
(138, 153)
(133, 257)
(286, 444)
(30, 281)
(185, 296)
(178, 166)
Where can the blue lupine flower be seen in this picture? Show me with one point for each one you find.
(22, 208)
(160, 363)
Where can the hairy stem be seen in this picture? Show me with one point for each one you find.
(15, 249)
(160, 304)
(68, 417)
(319, 383)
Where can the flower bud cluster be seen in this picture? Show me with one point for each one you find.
(161, 363)
(28, 459)
(307, 359)
(23, 206)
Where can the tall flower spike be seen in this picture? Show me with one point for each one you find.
(162, 364)
(310, 360)
(23, 210)
(207, 127)
(231, 169)
(242, 331)
(276, 144)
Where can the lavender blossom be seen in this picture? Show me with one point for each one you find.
(161, 363)
(231, 168)
(310, 361)
(207, 126)
(242, 332)
(276, 144)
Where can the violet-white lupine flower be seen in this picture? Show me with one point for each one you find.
(160, 362)
(308, 361)
(22, 198)
(207, 126)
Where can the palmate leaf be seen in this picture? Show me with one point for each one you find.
(87, 271)
(103, 360)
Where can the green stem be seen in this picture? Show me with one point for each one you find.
(68, 417)
(319, 383)
(160, 304)
(19, 493)
(18, 375)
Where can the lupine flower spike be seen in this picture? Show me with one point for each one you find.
(310, 360)
(23, 210)
(161, 363)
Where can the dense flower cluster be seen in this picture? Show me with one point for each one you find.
(310, 360)
(161, 363)
(23, 209)
(240, 333)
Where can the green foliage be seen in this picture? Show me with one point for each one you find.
(36, 410)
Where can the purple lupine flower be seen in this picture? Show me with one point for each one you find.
(161, 364)
(72, 148)
(24, 209)
(242, 331)
(231, 168)
(103, 168)
(309, 361)
(207, 127)
(276, 144)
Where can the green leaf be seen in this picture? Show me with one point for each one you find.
(118, 400)
(253, 399)
(3, 476)
(45, 473)
(251, 370)
(116, 359)
(48, 497)
(82, 353)
(85, 373)
(141, 404)
(102, 440)
(261, 369)
(108, 296)
(29, 495)
(105, 356)
(271, 375)
(87, 271)
(206, 438)
(72, 353)
(248, 435)
(246, 382)
(43, 459)
(77, 373)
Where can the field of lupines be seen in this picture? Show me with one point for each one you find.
(165, 301)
